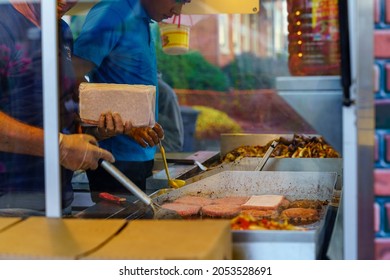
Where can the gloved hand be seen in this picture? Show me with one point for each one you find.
(80, 151)
(145, 136)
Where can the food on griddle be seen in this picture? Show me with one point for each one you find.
(284, 204)
(261, 214)
(263, 202)
(300, 146)
(307, 203)
(223, 211)
(248, 222)
(195, 200)
(280, 212)
(184, 210)
(300, 216)
(231, 200)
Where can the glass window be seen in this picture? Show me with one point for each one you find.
(225, 74)
(23, 113)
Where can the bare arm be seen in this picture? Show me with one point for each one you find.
(77, 151)
(81, 67)
(20, 138)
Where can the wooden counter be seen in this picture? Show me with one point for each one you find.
(55, 238)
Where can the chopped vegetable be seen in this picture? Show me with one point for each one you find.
(247, 222)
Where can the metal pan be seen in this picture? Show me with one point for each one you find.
(270, 244)
(293, 185)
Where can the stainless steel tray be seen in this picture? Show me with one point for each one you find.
(293, 185)
(281, 244)
(232, 141)
(279, 164)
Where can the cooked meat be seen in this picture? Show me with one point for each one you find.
(224, 211)
(231, 200)
(307, 203)
(300, 216)
(195, 200)
(300, 146)
(263, 202)
(284, 204)
(184, 210)
(261, 214)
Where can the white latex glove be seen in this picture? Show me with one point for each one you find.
(80, 152)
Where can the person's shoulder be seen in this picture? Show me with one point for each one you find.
(13, 25)
(8, 15)
(7, 9)
(112, 8)
(104, 15)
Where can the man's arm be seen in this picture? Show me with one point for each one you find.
(77, 151)
(20, 138)
(81, 67)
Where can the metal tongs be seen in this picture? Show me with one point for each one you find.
(266, 156)
(158, 211)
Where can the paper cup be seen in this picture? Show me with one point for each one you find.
(175, 40)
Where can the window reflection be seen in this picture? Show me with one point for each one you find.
(22, 185)
(226, 83)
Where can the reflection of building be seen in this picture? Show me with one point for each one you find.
(382, 131)
(221, 37)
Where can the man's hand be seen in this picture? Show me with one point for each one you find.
(110, 124)
(145, 136)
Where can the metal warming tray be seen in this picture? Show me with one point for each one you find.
(278, 164)
(231, 141)
(280, 244)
